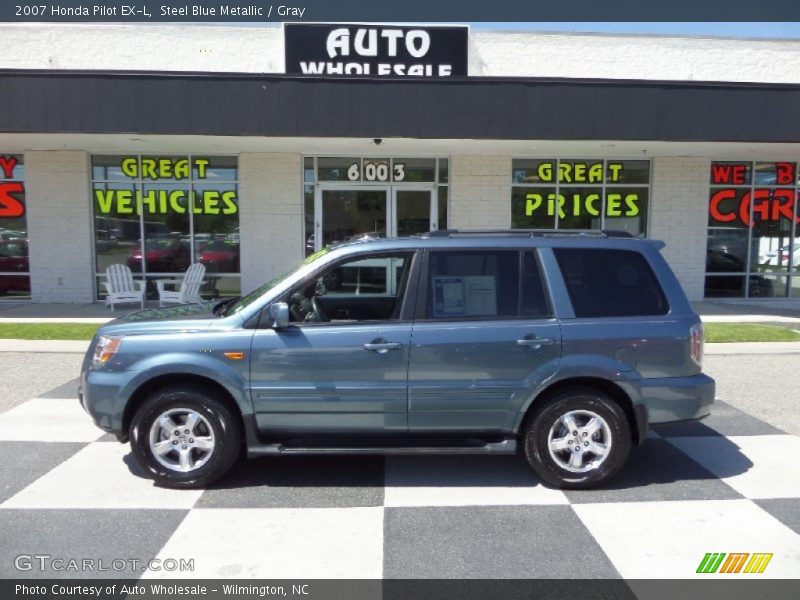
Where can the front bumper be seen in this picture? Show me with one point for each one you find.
(101, 395)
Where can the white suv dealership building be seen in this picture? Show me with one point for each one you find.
(209, 144)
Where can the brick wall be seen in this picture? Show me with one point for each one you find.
(271, 216)
(480, 192)
(678, 216)
(59, 226)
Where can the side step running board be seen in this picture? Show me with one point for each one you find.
(507, 446)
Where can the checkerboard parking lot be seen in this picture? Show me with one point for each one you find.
(728, 484)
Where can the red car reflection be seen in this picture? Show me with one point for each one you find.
(14, 259)
(221, 256)
(163, 256)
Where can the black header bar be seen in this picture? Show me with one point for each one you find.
(458, 108)
(409, 11)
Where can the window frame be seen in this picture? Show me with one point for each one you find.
(602, 187)
(423, 288)
(139, 182)
(26, 274)
(789, 274)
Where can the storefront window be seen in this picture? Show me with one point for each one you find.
(551, 193)
(160, 214)
(15, 280)
(753, 225)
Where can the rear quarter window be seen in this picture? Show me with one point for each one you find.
(610, 283)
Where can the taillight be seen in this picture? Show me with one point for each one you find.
(697, 339)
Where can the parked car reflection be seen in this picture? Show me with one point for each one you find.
(221, 256)
(163, 256)
(733, 285)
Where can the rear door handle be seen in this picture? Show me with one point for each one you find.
(535, 342)
(382, 347)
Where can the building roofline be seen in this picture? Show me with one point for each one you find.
(472, 80)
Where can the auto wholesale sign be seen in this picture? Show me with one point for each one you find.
(331, 50)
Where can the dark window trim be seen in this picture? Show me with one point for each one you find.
(546, 292)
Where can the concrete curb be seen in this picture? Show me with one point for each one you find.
(89, 320)
(753, 348)
(43, 346)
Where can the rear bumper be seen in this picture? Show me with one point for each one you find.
(677, 398)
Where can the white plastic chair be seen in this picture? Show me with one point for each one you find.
(189, 290)
(121, 288)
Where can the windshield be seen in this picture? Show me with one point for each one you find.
(257, 293)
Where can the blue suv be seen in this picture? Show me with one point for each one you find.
(568, 345)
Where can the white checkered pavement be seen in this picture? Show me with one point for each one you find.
(730, 484)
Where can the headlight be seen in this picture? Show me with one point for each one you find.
(107, 347)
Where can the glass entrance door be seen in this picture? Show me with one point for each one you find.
(413, 211)
(346, 213)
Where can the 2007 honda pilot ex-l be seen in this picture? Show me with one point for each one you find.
(567, 345)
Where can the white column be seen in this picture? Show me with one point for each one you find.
(271, 215)
(59, 213)
(679, 217)
(480, 192)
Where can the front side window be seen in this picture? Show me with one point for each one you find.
(610, 283)
(367, 288)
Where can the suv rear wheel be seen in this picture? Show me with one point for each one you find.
(185, 436)
(579, 439)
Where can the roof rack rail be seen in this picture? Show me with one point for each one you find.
(446, 233)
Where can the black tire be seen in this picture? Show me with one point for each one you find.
(224, 424)
(537, 431)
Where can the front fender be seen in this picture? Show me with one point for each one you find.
(232, 378)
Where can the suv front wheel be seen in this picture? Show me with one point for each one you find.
(579, 439)
(184, 436)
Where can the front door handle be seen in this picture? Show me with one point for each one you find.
(534, 342)
(382, 347)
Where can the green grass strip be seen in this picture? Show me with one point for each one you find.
(715, 332)
(48, 331)
(748, 332)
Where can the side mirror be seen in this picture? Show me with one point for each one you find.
(279, 315)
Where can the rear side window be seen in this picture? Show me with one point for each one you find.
(473, 285)
(485, 285)
(610, 283)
